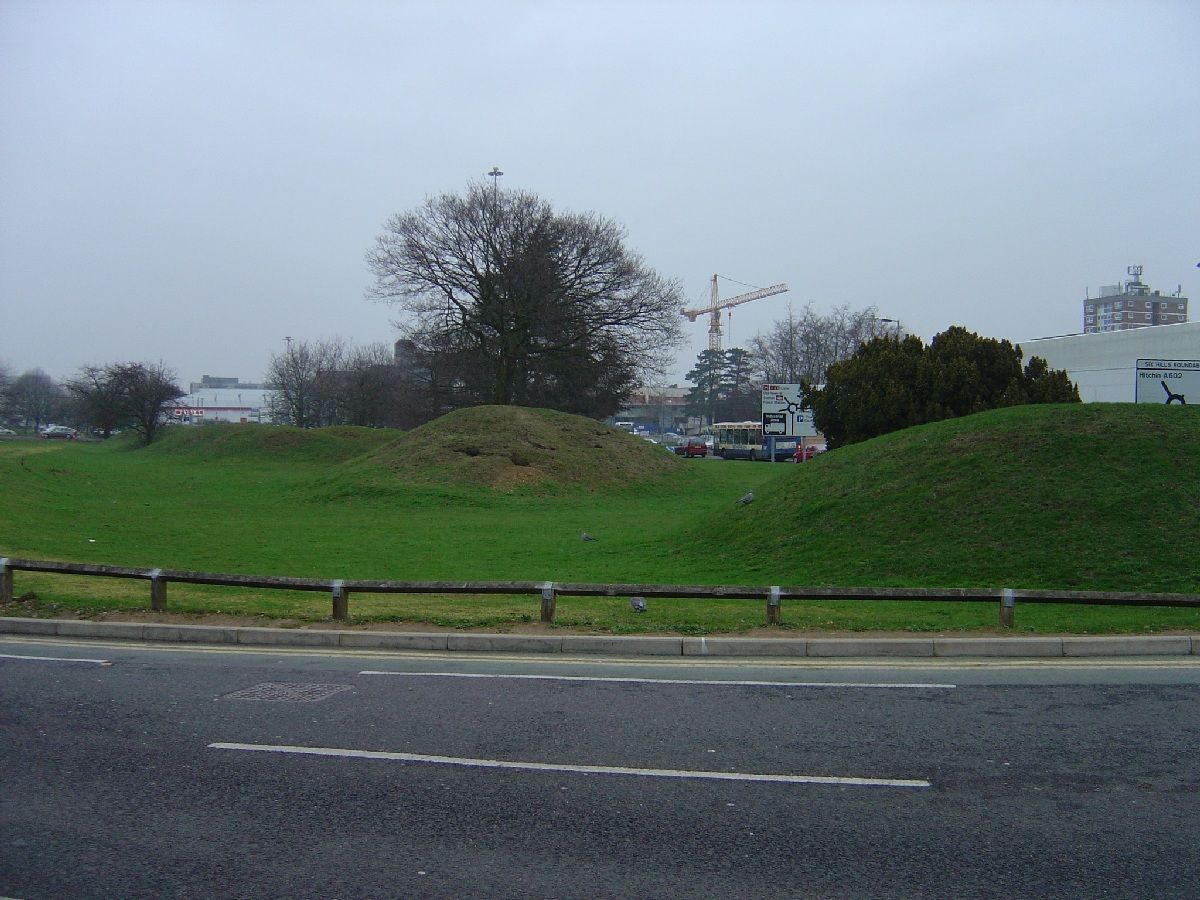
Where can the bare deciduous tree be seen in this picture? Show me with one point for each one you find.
(6, 380)
(371, 387)
(97, 398)
(516, 299)
(802, 347)
(134, 395)
(148, 392)
(35, 397)
(304, 378)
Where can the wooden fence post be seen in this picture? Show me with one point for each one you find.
(341, 601)
(1008, 607)
(6, 583)
(773, 606)
(548, 601)
(158, 590)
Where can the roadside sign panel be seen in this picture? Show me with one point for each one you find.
(783, 415)
(775, 424)
(1169, 381)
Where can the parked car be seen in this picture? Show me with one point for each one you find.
(59, 432)
(7, 431)
(690, 447)
(804, 454)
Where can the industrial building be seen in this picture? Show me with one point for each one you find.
(1128, 322)
(1104, 365)
(658, 409)
(219, 399)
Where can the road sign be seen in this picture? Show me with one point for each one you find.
(1169, 381)
(783, 413)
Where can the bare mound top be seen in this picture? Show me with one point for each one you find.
(508, 447)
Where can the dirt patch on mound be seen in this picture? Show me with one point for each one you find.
(510, 447)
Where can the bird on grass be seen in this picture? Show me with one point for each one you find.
(584, 536)
(747, 497)
(638, 604)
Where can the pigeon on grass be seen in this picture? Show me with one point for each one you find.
(584, 536)
(747, 497)
(638, 604)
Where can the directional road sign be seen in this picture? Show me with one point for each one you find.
(783, 414)
(1169, 381)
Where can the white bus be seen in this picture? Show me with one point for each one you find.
(745, 440)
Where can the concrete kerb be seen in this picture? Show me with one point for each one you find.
(1148, 645)
(1003, 646)
(907, 647)
(615, 645)
(29, 626)
(393, 640)
(622, 646)
(133, 631)
(726, 647)
(504, 643)
(287, 637)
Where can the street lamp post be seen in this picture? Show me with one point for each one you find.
(495, 176)
(895, 323)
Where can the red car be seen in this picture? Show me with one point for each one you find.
(804, 454)
(692, 447)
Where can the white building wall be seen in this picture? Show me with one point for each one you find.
(1103, 365)
(225, 405)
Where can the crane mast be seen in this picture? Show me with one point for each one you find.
(716, 304)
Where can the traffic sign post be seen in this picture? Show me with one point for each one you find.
(1167, 381)
(784, 414)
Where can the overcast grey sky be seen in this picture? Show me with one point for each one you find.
(193, 181)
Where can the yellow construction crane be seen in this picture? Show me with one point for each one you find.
(717, 304)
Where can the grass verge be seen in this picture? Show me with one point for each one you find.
(1034, 497)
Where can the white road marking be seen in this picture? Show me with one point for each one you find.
(70, 659)
(582, 770)
(602, 678)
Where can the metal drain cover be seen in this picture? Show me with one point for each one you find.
(282, 690)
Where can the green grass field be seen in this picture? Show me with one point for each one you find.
(1096, 496)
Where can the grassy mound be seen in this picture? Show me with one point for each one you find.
(1087, 496)
(223, 441)
(510, 447)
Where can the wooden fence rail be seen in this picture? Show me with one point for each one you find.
(548, 591)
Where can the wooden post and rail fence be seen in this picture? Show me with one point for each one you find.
(340, 590)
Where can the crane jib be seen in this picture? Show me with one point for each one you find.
(713, 310)
(734, 301)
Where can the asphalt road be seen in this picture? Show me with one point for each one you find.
(138, 771)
